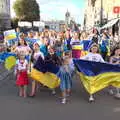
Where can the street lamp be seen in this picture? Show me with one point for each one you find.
(101, 14)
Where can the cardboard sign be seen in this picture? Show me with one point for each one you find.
(10, 35)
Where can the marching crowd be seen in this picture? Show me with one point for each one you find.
(60, 48)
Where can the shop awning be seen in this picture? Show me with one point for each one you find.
(110, 23)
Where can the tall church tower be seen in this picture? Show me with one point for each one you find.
(5, 22)
(67, 18)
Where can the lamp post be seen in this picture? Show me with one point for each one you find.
(101, 13)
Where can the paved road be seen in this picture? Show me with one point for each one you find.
(47, 107)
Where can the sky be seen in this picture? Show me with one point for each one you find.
(56, 9)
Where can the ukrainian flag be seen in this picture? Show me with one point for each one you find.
(96, 76)
(9, 60)
(45, 73)
(10, 35)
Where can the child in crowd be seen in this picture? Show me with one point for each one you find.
(65, 75)
(52, 58)
(115, 59)
(93, 56)
(76, 46)
(36, 54)
(21, 70)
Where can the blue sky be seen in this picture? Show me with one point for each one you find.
(55, 9)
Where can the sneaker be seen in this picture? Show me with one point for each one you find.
(63, 101)
(117, 96)
(111, 92)
(53, 92)
(91, 99)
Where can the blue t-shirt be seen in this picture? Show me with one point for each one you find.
(44, 50)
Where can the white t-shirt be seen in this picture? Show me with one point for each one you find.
(23, 49)
(93, 57)
(21, 66)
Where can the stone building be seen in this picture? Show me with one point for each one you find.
(93, 11)
(5, 22)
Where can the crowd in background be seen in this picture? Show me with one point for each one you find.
(59, 48)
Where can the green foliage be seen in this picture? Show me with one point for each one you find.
(27, 10)
(14, 22)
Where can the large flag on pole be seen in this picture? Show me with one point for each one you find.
(96, 76)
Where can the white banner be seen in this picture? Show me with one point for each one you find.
(38, 24)
(24, 24)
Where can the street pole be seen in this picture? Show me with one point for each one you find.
(101, 14)
(119, 27)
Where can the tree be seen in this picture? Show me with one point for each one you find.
(14, 22)
(27, 10)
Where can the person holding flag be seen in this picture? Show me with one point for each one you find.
(115, 59)
(93, 56)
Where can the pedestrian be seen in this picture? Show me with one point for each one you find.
(44, 45)
(104, 45)
(67, 40)
(96, 36)
(93, 56)
(21, 71)
(115, 59)
(76, 45)
(52, 58)
(23, 48)
(59, 44)
(65, 75)
(84, 35)
(36, 54)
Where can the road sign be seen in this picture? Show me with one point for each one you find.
(116, 10)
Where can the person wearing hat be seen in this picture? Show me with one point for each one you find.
(93, 55)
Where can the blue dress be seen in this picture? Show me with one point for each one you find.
(65, 75)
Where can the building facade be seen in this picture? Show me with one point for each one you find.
(97, 10)
(5, 22)
(57, 25)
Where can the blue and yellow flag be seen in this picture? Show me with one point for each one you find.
(10, 35)
(45, 73)
(96, 76)
(9, 60)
